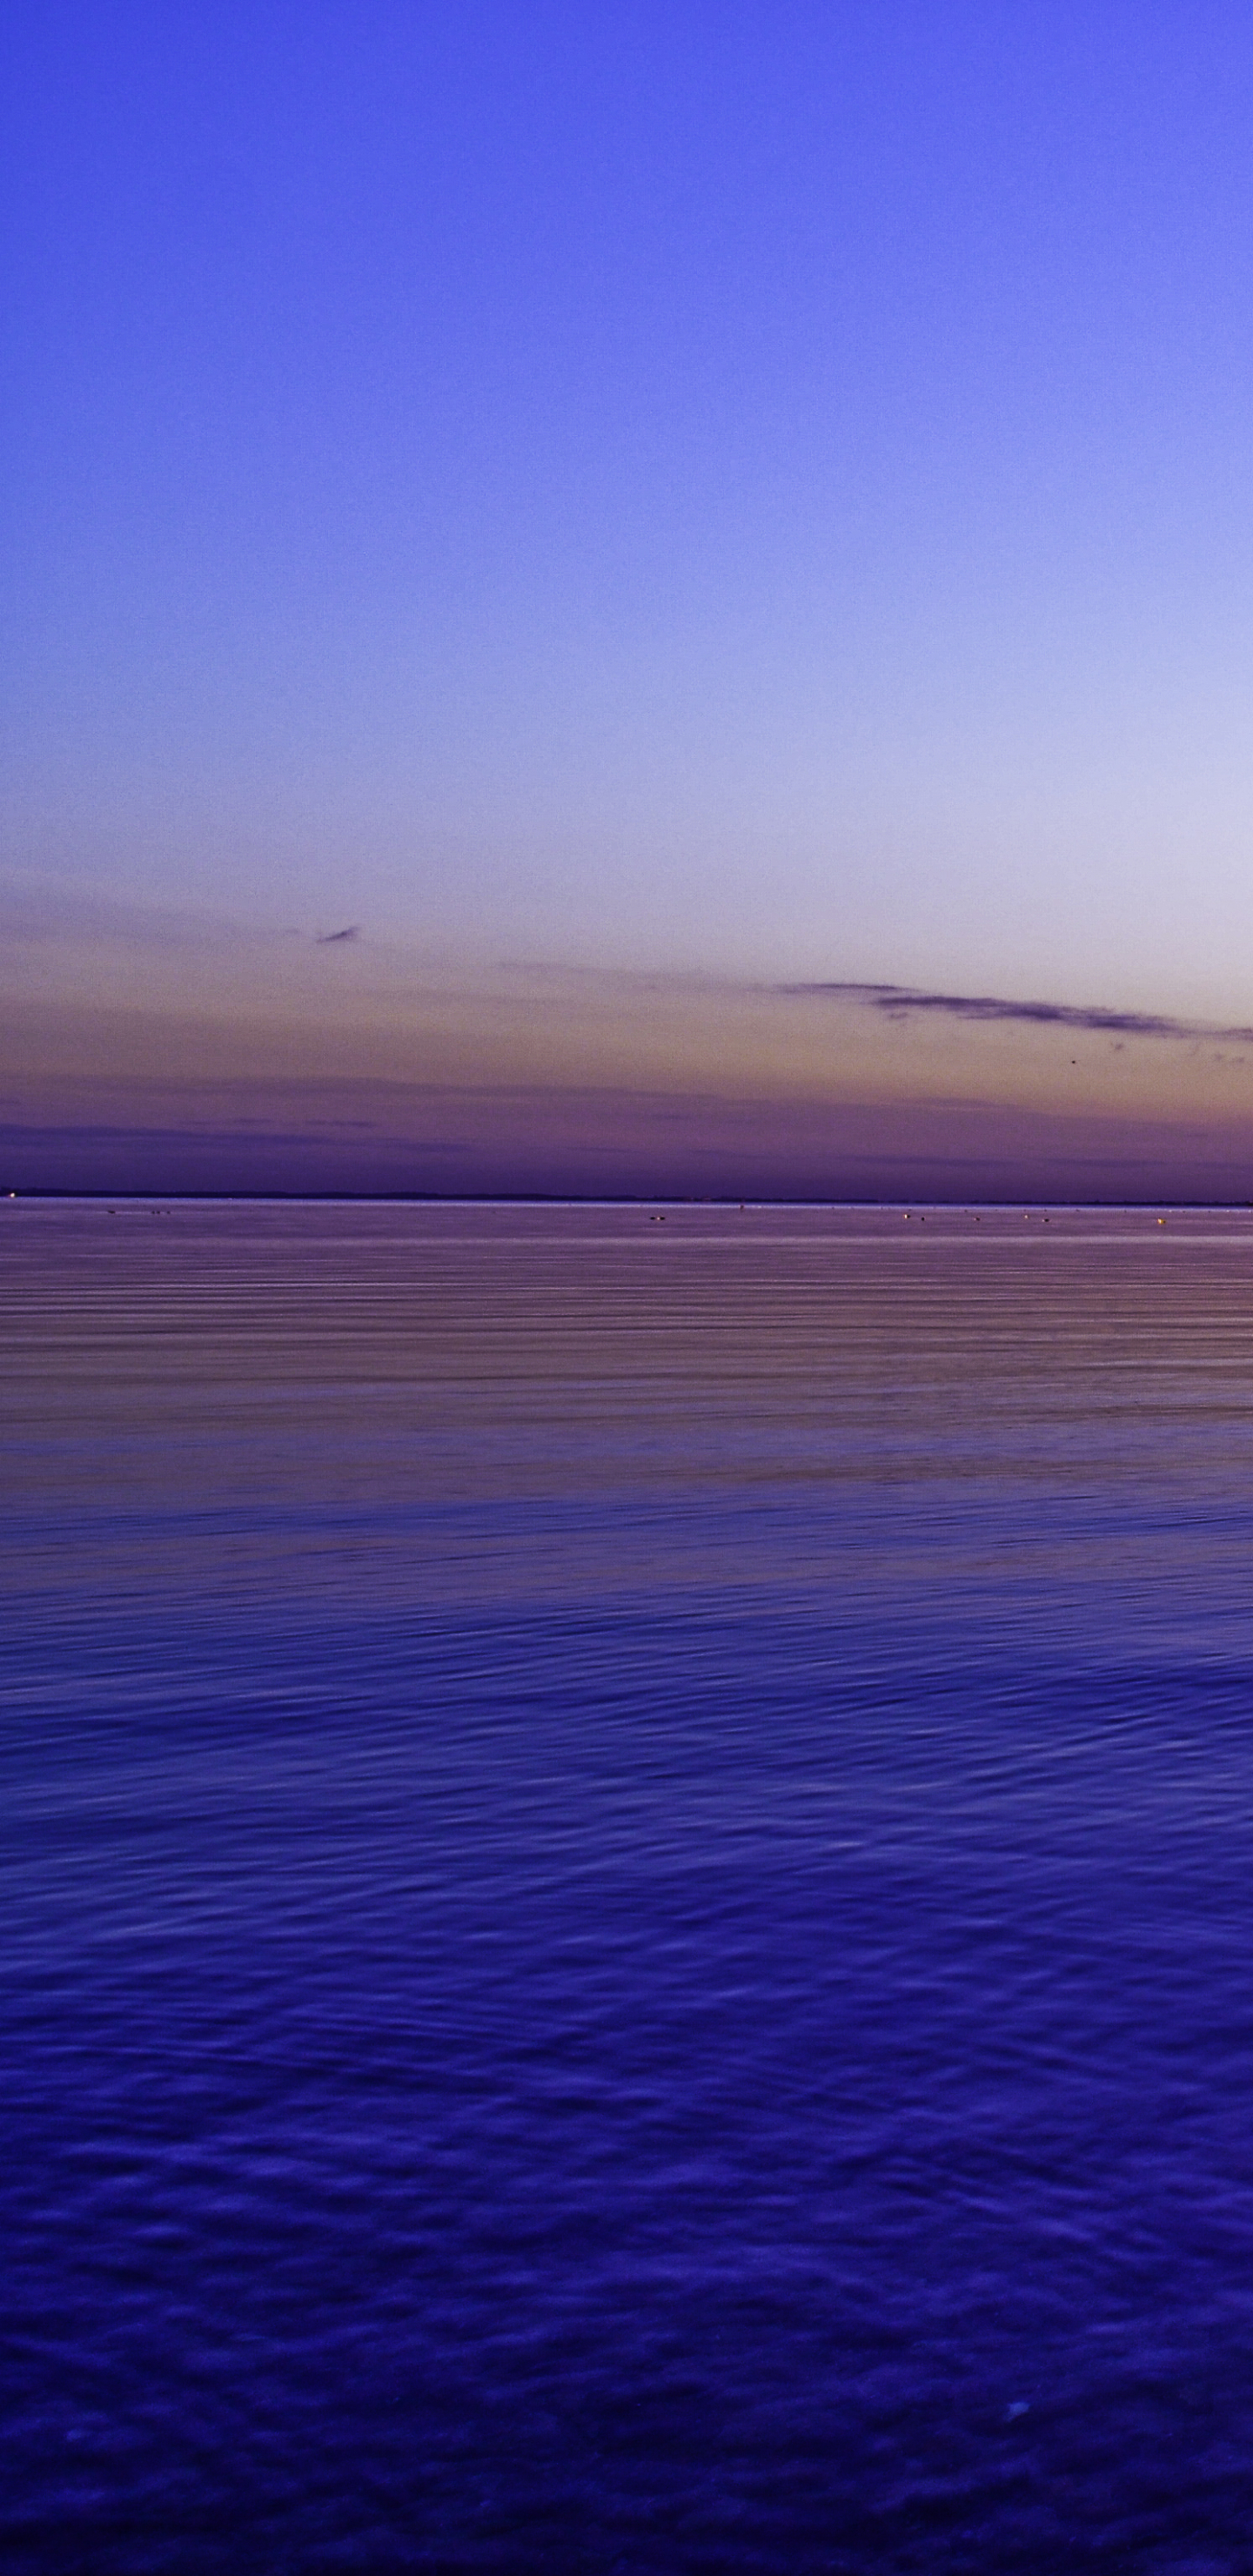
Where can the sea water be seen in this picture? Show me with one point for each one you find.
(628, 1919)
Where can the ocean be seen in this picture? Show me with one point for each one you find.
(628, 1862)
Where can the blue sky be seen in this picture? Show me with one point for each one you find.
(761, 489)
(654, 505)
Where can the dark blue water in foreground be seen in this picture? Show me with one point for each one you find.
(628, 1921)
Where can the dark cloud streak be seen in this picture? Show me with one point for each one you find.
(897, 1001)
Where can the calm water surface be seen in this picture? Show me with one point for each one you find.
(628, 1937)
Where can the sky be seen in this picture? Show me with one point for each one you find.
(633, 512)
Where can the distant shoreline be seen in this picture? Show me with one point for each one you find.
(618, 1199)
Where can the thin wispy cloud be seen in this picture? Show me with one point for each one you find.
(901, 1001)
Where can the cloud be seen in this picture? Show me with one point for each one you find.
(898, 1001)
(332, 938)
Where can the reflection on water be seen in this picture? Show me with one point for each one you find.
(628, 1889)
